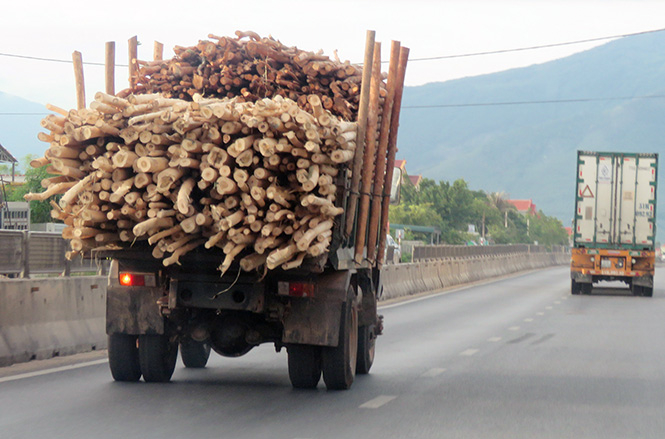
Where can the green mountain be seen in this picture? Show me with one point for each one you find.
(529, 150)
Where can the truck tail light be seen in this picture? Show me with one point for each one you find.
(295, 289)
(137, 280)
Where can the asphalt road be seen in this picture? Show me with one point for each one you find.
(516, 358)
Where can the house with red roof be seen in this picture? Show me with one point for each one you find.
(524, 206)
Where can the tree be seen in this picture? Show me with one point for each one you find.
(40, 211)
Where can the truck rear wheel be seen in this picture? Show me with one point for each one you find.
(586, 288)
(339, 363)
(366, 349)
(194, 354)
(124, 357)
(157, 356)
(575, 287)
(647, 291)
(304, 365)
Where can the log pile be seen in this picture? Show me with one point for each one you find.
(252, 68)
(256, 179)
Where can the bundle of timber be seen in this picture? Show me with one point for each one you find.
(256, 179)
(251, 67)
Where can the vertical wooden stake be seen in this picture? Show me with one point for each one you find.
(392, 151)
(381, 153)
(110, 68)
(158, 51)
(362, 128)
(368, 160)
(78, 76)
(133, 55)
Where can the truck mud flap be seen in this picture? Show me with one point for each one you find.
(315, 321)
(133, 310)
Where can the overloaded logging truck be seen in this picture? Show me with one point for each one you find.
(241, 190)
(615, 221)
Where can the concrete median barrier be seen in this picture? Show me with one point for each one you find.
(432, 275)
(50, 317)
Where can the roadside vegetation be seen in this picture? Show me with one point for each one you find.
(453, 207)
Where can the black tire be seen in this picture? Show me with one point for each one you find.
(157, 356)
(339, 363)
(366, 349)
(575, 287)
(637, 290)
(586, 288)
(304, 365)
(124, 357)
(194, 354)
(647, 291)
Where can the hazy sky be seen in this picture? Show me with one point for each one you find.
(49, 29)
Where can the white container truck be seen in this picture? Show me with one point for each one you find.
(615, 220)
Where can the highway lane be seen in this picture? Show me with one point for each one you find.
(519, 357)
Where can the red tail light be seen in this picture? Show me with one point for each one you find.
(132, 280)
(295, 289)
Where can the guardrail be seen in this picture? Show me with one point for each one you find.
(24, 253)
(428, 252)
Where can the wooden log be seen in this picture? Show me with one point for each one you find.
(174, 258)
(230, 256)
(392, 149)
(380, 167)
(78, 75)
(184, 202)
(362, 126)
(304, 242)
(368, 160)
(153, 224)
(54, 189)
(133, 55)
(73, 191)
(109, 70)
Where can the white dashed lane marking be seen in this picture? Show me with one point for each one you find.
(514, 328)
(494, 339)
(469, 352)
(528, 319)
(433, 372)
(540, 313)
(378, 402)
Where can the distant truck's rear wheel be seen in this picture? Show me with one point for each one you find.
(304, 365)
(339, 363)
(575, 287)
(157, 356)
(124, 357)
(636, 289)
(194, 354)
(366, 349)
(586, 288)
(647, 291)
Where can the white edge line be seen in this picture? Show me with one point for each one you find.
(53, 370)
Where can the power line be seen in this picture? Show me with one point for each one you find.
(550, 101)
(36, 58)
(543, 46)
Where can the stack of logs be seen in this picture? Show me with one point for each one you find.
(252, 67)
(256, 179)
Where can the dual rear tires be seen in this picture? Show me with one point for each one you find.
(639, 290)
(152, 356)
(337, 364)
(580, 288)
